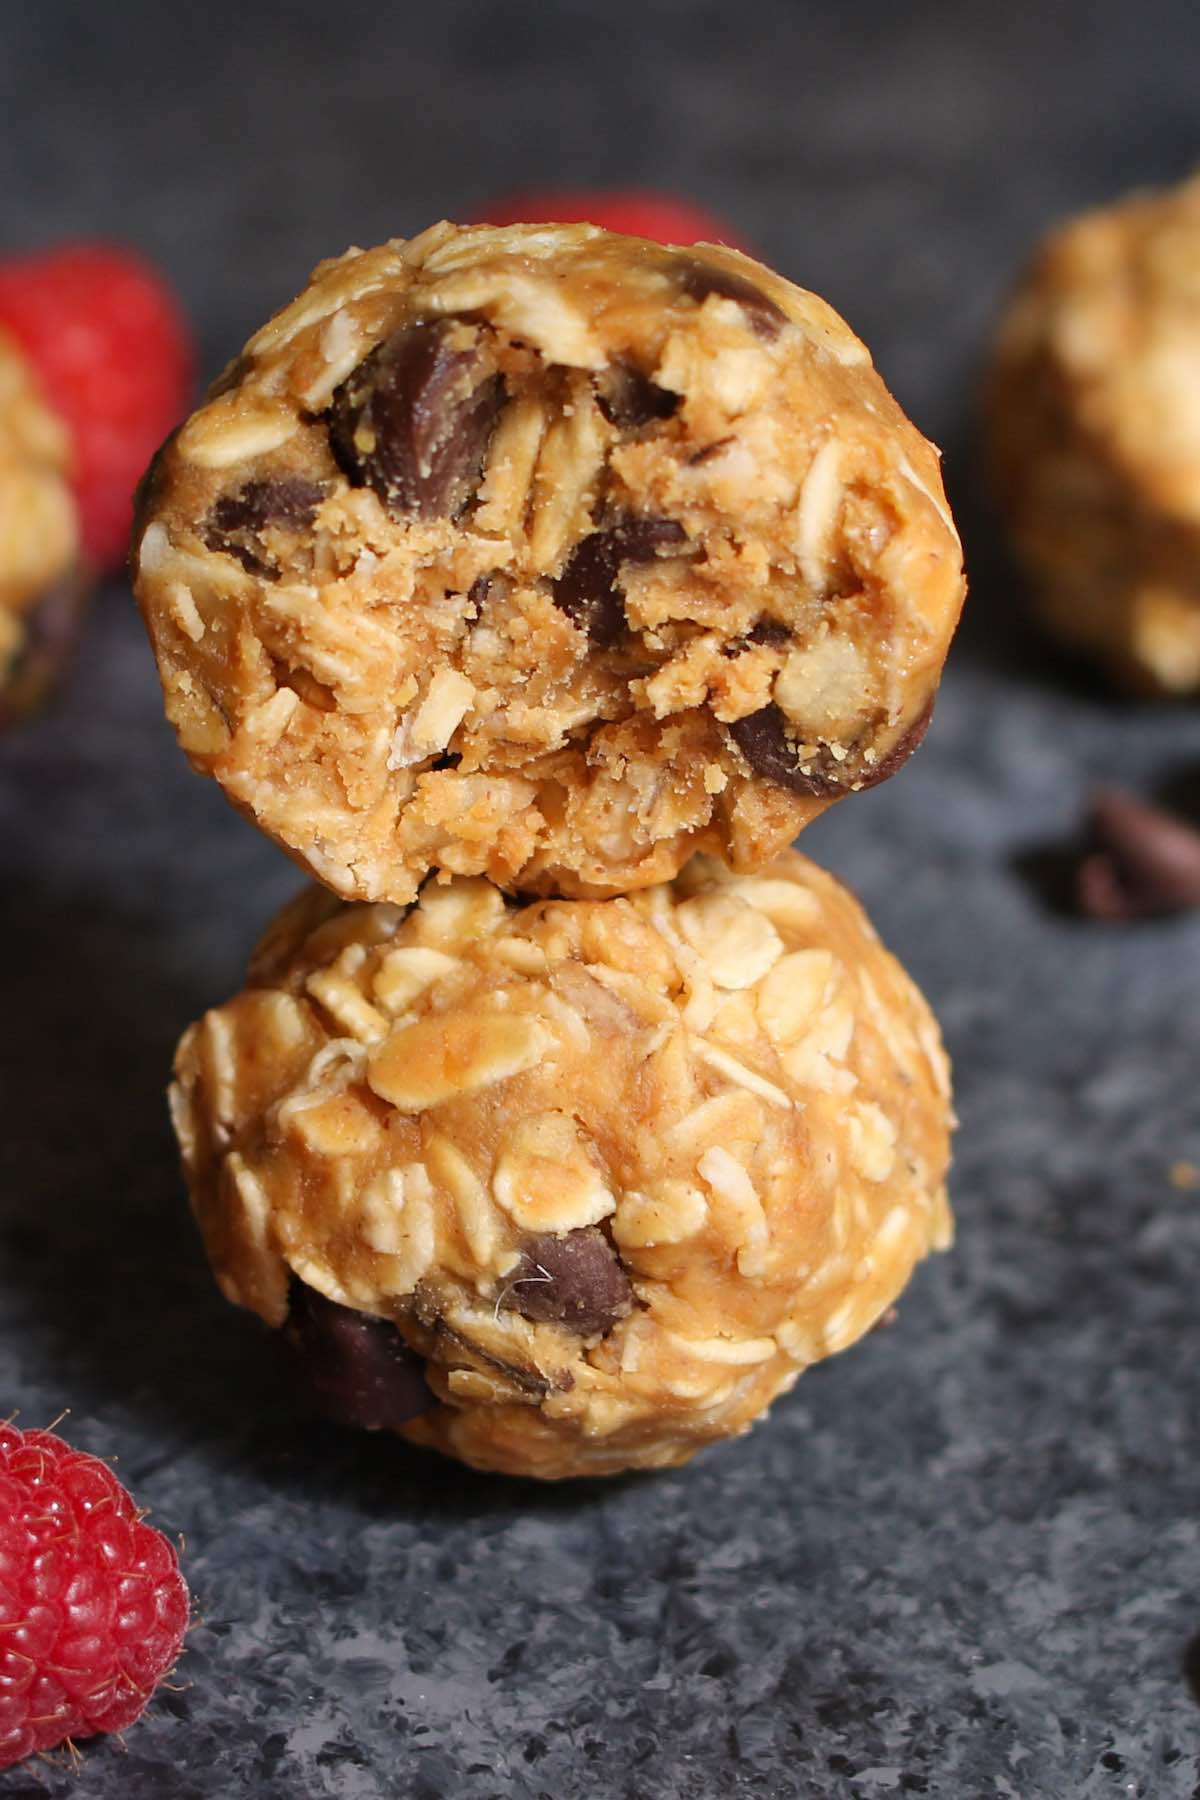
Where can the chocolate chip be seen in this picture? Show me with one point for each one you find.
(767, 741)
(770, 632)
(763, 739)
(359, 1368)
(235, 521)
(413, 422)
(575, 1280)
(1141, 863)
(900, 751)
(629, 399)
(587, 590)
(699, 279)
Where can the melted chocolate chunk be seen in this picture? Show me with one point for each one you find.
(575, 1280)
(288, 502)
(700, 279)
(588, 591)
(359, 1368)
(766, 741)
(414, 422)
(629, 399)
(1142, 863)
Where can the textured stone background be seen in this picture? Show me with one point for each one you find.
(959, 1562)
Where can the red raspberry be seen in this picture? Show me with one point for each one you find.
(93, 1607)
(115, 358)
(626, 210)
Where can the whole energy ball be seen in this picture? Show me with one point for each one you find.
(550, 555)
(567, 1187)
(1093, 417)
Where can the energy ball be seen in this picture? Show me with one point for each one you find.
(565, 1187)
(41, 590)
(550, 555)
(1094, 426)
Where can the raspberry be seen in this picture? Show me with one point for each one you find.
(109, 342)
(93, 1607)
(625, 210)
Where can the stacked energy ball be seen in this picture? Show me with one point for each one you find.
(534, 586)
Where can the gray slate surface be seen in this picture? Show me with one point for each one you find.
(958, 1562)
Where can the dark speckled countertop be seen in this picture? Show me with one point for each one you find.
(961, 1560)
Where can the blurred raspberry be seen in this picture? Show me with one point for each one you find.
(93, 1607)
(110, 344)
(627, 210)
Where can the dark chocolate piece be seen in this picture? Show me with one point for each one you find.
(575, 1280)
(629, 399)
(1142, 862)
(235, 520)
(765, 741)
(359, 1368)
(699, 279)
(762, 737)
(901, 750)
(414, 421)
(587, 590)
(770, 632)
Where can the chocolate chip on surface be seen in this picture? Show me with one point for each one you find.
(235, 520)
(767, 742)
(900, 751)
(763, 739)
(359, 1368)
(588, 590)
(629, 399)
(414, 420)
(575, 1280)
(771, 633)
(1142, 862)
(699, 279)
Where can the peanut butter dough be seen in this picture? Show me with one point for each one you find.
(1094, 426)
(567, 1187)
(548, 555)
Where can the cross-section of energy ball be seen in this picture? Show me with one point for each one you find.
(550, 555)
(1094, 426)
(41, 591)
(570, 1186)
